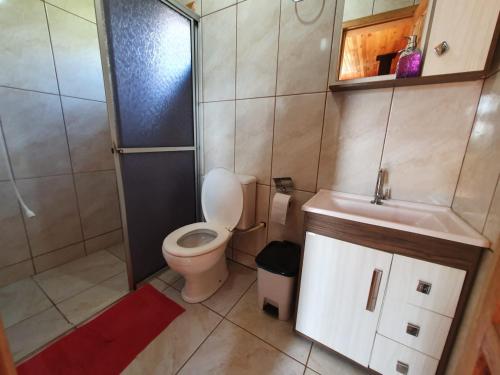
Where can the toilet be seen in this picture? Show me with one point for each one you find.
(197, 251)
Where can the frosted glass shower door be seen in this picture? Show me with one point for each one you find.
(150, 45)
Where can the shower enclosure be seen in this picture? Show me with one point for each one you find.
(151, 90)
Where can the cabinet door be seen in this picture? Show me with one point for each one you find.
(341, 291)
(468, 27)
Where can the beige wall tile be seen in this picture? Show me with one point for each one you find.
(238, 350)
(357, 8)
(218, 135)
(426, 139)
(58, 257)
(98, 202)
(219, 55)
(26, 54)
(56, 223)
(252, 243)
(34, 130)
(353, 138)
(254, 138)
(104, 241)
(293, 230)
(82, 8)
(77, 56)
(210, 6)
(16, 272)
(13, 241)
(297, 138)
(381, 6)
(304, 47)
(481, 165)
(257, 55)
(88, 135)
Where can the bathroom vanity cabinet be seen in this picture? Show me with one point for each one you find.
(387, 299)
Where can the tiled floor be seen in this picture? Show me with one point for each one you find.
(38, 309)
(226, 334)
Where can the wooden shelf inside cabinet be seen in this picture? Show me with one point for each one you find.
(428, 80)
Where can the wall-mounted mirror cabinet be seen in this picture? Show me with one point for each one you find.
(449, 40)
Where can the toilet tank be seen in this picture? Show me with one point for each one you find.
(249, 188)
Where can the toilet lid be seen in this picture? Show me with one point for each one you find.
(222, 198)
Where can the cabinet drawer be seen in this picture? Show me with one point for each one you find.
(415, 327)
(428, 285)
(391, 358)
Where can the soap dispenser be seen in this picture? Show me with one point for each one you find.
(410, 59)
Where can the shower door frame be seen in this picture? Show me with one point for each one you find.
(194, 20)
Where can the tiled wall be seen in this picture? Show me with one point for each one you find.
(53, 116)
(362, 8)
(268, 113)
(477, 200)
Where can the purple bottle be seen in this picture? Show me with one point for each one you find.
(410, 60)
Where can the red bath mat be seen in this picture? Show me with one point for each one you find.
(108, 343)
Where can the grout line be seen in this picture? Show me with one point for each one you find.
(268, 96)
(59, 175)
(385, 134)
(50, 93)
(67, 11)
(218, 10)
(309, 355)
(51, 301)
(20, 212)
(490, 205)
(235, 83)
(265, 342)
(467, 146)
(199, 346)
(321, 142)
(78, 208)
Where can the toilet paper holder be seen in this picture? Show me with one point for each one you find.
(283, 184)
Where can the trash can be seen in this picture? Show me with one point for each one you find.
(277, 268)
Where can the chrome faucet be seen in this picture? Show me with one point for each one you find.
(378, 196)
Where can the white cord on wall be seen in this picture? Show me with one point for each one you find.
(20, 199)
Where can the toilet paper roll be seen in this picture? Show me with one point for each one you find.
(279, 208)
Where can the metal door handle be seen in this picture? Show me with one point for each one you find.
(402, 368)
(412, 329)
(424, 287)
(374, 288)
(441, 48)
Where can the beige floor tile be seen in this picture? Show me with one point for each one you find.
(172, 348)
(240, 278)
(169, 276)
(21, 300)
(72, 278)
(30, 334)
(231, 350)
(86, 304)
(118, 251)
(278, 333)
(179, 284)
(326, 362)
(310, 372)
(160, 285)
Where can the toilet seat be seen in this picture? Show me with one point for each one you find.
(222, 204)
(172, 246)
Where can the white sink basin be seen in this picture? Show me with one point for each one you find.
(433, 221)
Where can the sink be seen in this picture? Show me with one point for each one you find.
(434, 221)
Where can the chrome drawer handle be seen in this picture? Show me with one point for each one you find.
(402, 368)
(442, 48)
(412, 329)
(424, 287)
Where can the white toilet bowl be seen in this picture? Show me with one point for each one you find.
(197, 251)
